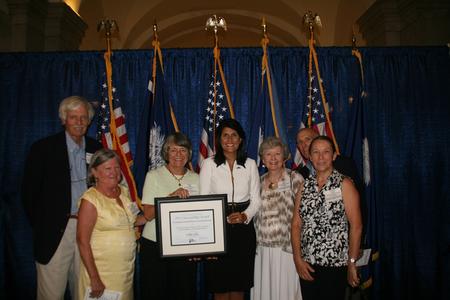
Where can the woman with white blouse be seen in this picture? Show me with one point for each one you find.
(231, 172)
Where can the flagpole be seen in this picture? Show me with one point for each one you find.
(363, 94)
(155, 44)
(356, 53)
(109, 26)
(157, 54)
(266, 70)
(214, 23)
(311, 21)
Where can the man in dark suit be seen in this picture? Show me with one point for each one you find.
(344, 165)
(54, 179)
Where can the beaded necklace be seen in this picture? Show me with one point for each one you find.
(177, 178)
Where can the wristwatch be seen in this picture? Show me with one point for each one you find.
(352, 260)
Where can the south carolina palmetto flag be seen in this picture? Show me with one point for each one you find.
(361, 150)
(158, 120)
(360, 153)
(112, 131)
(219, 107)
(317, 115)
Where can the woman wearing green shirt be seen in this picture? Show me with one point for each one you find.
(167, 278)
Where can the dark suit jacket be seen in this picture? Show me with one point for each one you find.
(46, 192)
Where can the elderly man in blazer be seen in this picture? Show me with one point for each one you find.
(54, 179)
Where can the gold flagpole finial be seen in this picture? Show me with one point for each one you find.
(353, 37)
(265, 36)
(214, 23)
(109, 27)
(155, 30)
(312, 21)
(264, 26)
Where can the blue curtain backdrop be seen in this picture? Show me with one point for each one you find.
(406, 120)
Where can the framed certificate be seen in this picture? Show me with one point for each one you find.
(195, 226)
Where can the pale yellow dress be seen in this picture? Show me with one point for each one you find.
(113, 244)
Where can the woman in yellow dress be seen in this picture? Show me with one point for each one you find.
(105, 230)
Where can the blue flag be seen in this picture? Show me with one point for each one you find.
(267, 118)
(156, 123)
(358, 147)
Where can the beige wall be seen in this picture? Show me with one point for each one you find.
(51, 25)
(181, 23)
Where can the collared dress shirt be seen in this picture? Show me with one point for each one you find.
(77, 159)
(240, 185)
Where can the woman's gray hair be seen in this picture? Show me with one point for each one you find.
(271, 142)
(72, 103)
(99, 157)
(178, 139)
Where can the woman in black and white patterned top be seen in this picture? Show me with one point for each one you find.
(326, 228)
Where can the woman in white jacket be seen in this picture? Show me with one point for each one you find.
(231, 172)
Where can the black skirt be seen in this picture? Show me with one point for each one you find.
(233, 272)
(165, 278)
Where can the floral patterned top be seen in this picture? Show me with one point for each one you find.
(273, 220)
(324, 239)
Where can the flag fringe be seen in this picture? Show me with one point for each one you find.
(366, 161)
(127, 162)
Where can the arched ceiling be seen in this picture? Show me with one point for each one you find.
(181, 23)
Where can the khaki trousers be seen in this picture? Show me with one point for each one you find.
(64, 266)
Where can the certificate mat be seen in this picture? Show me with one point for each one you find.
(195, 226)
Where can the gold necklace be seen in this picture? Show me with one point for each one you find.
(273, 185)
(176, 178)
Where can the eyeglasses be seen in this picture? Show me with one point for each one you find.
(177, 150)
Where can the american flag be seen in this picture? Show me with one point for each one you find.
(104, 133)
(111, 128)
(316, 112)
(217, 109)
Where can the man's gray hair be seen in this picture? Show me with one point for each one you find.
(73, 102)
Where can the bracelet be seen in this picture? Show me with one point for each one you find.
(148, 220)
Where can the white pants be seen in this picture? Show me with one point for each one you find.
(63, 266)
(275, 276)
